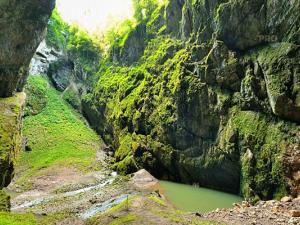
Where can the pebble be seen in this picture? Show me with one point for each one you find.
(295, 213)
(286, 199)
(297, 199)
(284, 212)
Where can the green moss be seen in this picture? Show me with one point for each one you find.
(72, 97)
(157, 200)
(126, 96)
(58, 137)
(10, 135)
(36, 95)
(277, 80)
(130, 217)
(7, 218)
(4, 201)
(56, 27)
(17, 219)
(264, 143)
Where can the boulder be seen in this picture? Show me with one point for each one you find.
(143, 180)
(286, 199)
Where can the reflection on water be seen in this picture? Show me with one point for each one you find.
(196, 199)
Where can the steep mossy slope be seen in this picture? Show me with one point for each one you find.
(56, 135)
(204, 92)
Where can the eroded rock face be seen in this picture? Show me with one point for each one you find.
(22, 27)
(11, 112)
(218, 105)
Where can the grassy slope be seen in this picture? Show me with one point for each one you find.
(57, 136)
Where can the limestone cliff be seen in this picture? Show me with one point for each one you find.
(195, 91)
(210, 95)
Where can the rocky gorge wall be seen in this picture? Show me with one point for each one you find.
(210, 95)
(22, 27)
(197, 91)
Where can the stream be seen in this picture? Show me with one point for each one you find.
(197, 199)
(42, 200)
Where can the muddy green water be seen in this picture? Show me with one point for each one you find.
(195, 199)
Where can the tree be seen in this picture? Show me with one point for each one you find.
(144, 8)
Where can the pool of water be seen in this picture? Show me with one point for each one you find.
(196, 199)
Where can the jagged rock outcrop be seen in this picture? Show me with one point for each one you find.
(42, 59)
(69, 77)
(22, 28)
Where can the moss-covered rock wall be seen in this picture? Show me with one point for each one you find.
(211, 95)
(11, 141)
(22, 27)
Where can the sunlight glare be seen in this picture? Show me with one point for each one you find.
(95, 15)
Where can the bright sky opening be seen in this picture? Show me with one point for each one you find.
(95, 15)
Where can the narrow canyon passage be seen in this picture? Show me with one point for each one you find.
(149, 112)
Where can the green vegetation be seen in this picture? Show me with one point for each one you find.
(262, 169)
(17, 219)
(10, 136)
(36, 98)
(4, 201)
(138, 95)
(130, 217)
(175, 108)
(157, 200)
(117, 36)
(7, 218)
(146, 210)
(144, 8)
(57, 137)
(57, 29)
(84, 49)
(72, 97)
